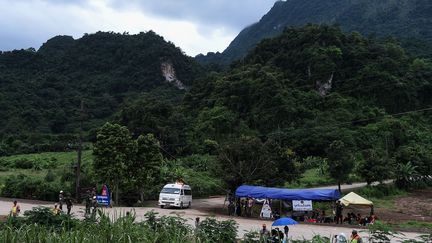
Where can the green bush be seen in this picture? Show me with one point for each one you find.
(44, 216)
(380, 232)
(23, 164)
(212, 230)
(380, 191)
(50, 176)
(23, 186)
(40, 225)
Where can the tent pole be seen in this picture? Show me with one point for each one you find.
(280, 207)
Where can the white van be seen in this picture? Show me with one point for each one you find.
(176, 195)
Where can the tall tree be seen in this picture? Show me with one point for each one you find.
(340, 162)
(244, 161)
(114, 150)
(146, 166)
(375, 166)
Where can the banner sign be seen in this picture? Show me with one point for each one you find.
(104, 199)
(302, 205)
(266, 212)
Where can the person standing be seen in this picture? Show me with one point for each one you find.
(286, 231)
(197, 224)
(94, 206)
(238, 207)
(69, 205)
(87, 205)
(355, 238)
(250, 203)
(15, 209)
(264, 233)
(231, 208)
(56, 210)
(339, 210)
(61, 200)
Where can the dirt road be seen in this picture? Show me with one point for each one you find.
(353, 186)
(202, 208)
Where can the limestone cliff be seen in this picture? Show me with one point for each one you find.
(168, 72)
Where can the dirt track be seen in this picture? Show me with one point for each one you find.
(202, 208)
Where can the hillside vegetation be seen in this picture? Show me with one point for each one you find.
(41, 91)
(313, 97)
(407, 20)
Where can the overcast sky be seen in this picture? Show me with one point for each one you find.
(196, 26)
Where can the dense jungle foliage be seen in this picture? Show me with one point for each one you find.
(408, 20)
(314, 97)
(41, 91)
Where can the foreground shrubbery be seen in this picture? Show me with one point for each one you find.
(40, 225)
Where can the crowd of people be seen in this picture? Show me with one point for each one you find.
(240, 207)
(352, 218)
(274, 235)
(66, 199)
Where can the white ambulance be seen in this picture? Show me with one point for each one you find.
(175, 195)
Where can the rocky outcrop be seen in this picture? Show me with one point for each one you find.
(325, 87)
(169, 74)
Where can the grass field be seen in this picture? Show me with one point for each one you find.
(40, 163)
(61, 157)
(312, 178)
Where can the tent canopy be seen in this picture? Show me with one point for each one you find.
(354, 199)
(287, 194)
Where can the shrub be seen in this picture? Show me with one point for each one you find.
(50, 176)
(212, 230)
(44, 216)
(380, 191)
(23, 186)
(23, 164)
(380, 232)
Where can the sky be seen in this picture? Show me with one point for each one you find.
(196, 26)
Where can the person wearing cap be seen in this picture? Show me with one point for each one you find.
(61, 200)
(264, 233)
(355, 238)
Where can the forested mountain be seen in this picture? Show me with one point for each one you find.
(41, 91)
(408, 20)
(311, 94)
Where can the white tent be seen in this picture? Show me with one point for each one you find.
(354, 199)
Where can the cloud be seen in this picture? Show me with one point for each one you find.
(233, 14)
(196, 26)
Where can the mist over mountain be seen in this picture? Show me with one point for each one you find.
(407, 20)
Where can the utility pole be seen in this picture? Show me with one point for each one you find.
(78, 167)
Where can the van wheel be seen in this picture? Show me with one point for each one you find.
(162, 206)
(181, 205)
(189, 205)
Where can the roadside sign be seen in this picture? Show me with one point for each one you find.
(104, 199)
(302, 205)
(266, 212)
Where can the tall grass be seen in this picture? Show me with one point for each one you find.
(109, 228)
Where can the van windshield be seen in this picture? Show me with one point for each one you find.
(171, 190)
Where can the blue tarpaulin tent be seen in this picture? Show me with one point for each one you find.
(287, 194)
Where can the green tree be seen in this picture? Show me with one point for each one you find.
(375, 166)
(340, 162)
(113, 151)
(244, 161)
(406, 175)
(145, 169)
